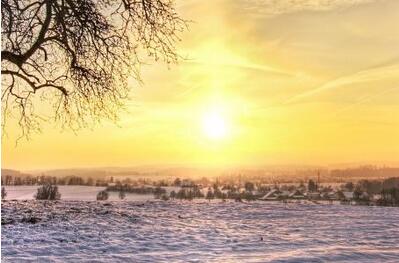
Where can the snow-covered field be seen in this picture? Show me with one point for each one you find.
(70, 192)
(174, 231)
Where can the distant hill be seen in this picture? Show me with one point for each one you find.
(10, 172)
(274, 173)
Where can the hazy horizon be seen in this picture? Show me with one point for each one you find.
(187, 167)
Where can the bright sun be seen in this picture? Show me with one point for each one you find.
(214, 125)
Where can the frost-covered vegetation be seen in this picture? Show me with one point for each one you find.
(48, 192)
(102, 195)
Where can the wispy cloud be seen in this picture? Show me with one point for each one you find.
(277, 7)
(244, 65)
(366, 99)
(363, 76)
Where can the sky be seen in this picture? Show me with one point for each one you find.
(309, 82)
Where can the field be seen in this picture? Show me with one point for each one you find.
(174, 231)
(71, 193)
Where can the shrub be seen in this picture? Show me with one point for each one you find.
(102, 195)
(122, 195)
(48, 192)
(3, 193)
(165, 197)
(173, 194)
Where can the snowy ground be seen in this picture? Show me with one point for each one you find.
(70, 192)
(174, 231)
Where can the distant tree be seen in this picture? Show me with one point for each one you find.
(190, 195)
(102, 195)
(390, 197)
(122, 194)
(210, 195)
(249, 196)
(340, 195)
(249, 186)
(90, 181)
(181, 194)
(215, 186)
(224, 196)
(162, 183)
(232, 194)
(3, 193)
(349, 186)
(158, 192)
(48, 192)
(172, 194)
(312, 186)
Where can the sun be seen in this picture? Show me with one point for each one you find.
(214, 125)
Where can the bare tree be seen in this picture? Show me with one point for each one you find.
(75, 57)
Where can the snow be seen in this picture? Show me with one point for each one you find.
(71, 192)
(201, 231)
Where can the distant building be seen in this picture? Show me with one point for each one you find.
(187, 183)
(348, 195)
(272, 195)
(313, 195)
(297, 194)
(376, 197)
(331, 195)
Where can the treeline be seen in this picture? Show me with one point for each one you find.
(372, 186)
(44, 179)
(388, 190)
(158, 190)
(364, 172)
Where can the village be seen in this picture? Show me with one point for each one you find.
(380, 192)
(364, 192)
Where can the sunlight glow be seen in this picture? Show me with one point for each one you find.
(214, 125)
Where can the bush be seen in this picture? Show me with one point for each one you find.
(122, 195)
(102, 196)
(3, 193)
(48, 192)
(165, 197)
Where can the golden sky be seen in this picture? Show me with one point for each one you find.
(264, 82)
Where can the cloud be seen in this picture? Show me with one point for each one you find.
(243, 65)
(366, 99)
(363, 76)
(277, 7)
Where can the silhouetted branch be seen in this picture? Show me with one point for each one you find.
(79, 54)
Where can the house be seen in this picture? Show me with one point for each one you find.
(376, 197)
(296, 195)
(313, 195)
(331, 195)
(347, 195)
(363, 196)
(272, 195)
